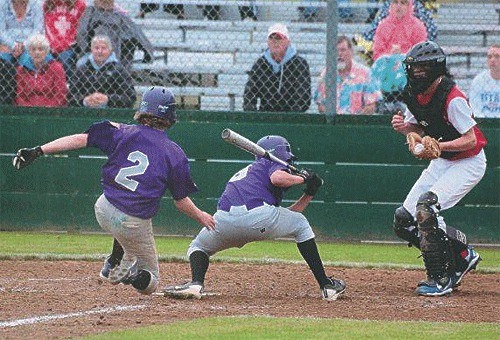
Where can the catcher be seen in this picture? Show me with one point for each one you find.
(439, 126)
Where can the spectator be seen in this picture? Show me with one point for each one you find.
(420, 11)
(19, 20)
(125, 36)
(389, 75)
(100, 80)
(40, 78)
(356, 93)
(61, 19)
(399, 31)
(484, 94)
(7, 82)
(280, 78)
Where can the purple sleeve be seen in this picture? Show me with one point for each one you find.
(275, 167)
(102, 136)
(181, 184)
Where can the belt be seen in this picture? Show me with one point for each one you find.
(249, 206)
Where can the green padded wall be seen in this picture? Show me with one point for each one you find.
(366, 167)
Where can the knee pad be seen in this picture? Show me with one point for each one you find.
(427, 211)
(404, 226)
(144, 282)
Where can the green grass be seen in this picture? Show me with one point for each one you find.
(244, 327)
(95, 246)
(92, 247)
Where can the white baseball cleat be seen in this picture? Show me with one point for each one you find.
(190, 290)
(333, 290)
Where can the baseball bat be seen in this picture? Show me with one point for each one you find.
(247, 145)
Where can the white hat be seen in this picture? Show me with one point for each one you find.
(279, 29)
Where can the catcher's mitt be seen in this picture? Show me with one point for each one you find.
(412, 139)
(423, 148)
(431, 148)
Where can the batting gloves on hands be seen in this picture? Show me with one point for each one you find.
(312, 181)
(26, 156)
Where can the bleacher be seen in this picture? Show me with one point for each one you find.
(209, 60)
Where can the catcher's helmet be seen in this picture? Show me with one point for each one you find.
(277, 146)
(430, 59)
(159, 102)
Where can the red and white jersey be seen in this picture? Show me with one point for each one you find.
(459, 114)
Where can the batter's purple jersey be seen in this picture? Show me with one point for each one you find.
(252, 187)
(142, 163)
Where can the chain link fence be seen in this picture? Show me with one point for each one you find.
(229, 55)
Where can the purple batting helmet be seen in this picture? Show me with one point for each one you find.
(159, 102)
(277, 146)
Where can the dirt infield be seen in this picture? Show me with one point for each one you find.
(41, 299)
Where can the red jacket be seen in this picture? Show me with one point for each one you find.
(405, 32)
(46, 87)
(61, 24)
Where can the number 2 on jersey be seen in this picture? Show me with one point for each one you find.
(123, 175)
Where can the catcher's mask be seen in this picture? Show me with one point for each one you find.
(277, 146)
(423, 64)
(159, 101)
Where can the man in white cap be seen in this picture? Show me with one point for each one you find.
(279, 78)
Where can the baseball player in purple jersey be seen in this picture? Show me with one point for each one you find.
(142, 164)
(249, 210)
(436, 107)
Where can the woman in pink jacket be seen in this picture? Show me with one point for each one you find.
(41, 80)
(399, 31)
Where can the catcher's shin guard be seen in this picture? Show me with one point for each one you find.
(405, 227)
(457, 238)
(434, 244)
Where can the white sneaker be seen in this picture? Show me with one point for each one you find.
(333, 290)
(122, 271)
(189, 290)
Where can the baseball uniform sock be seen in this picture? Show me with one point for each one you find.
(199, 265)
(309, 252)
(117, 253)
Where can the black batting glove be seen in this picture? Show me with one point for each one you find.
(26, 156)
(304, 173)
(313, 183)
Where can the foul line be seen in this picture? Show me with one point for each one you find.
(38, 319)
